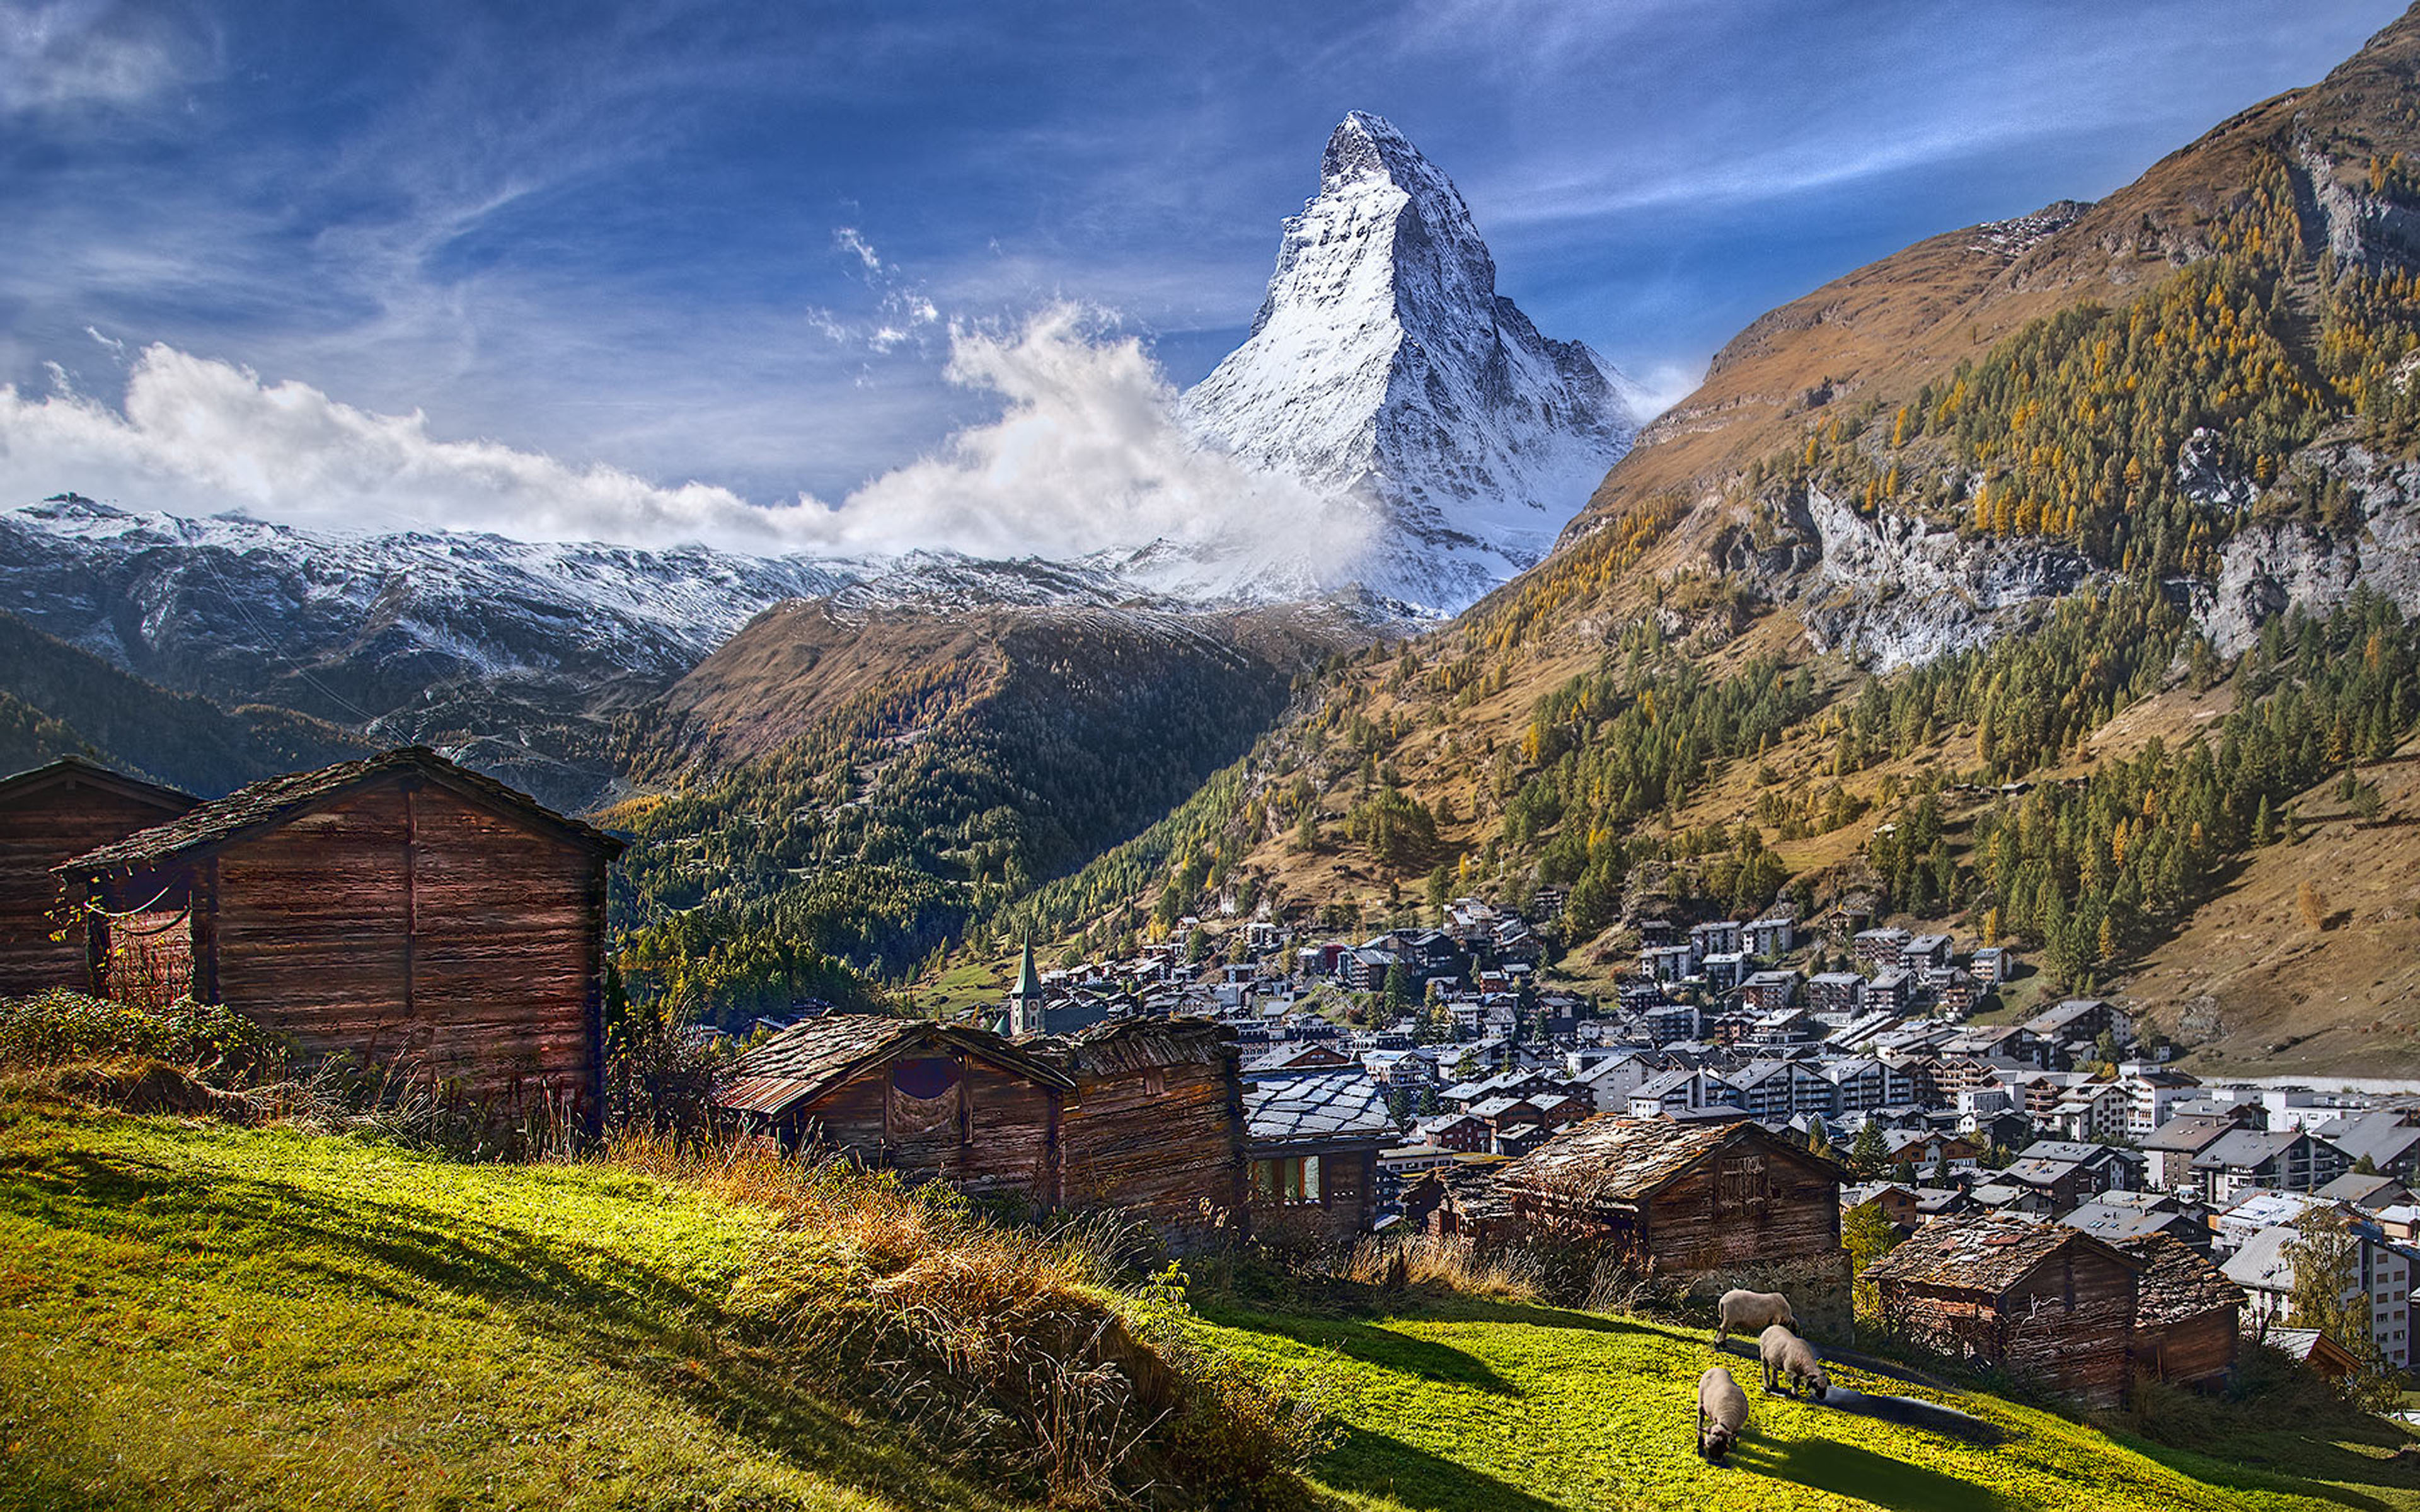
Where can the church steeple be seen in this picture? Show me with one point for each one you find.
(1025, 998)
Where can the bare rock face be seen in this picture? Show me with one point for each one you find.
(2271, 566)
(1897, 591)
(1383, 366)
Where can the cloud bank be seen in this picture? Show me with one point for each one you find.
(1085, 456)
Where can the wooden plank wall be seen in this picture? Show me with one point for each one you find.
(418, 930)
(1174, 1157)
(2198, 1351)
(2070, 1325)
(1691, 1226)
(1004, 1138)
(37, 831)
(2067, 1326)
(1347, 1191)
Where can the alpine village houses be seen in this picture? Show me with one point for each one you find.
(401, 909)
(407, 912)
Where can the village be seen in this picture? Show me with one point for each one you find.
(2054, 1198)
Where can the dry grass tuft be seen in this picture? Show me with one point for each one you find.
(1451, 1262)
(1010, 1348)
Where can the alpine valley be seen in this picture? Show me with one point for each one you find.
(2049, 580)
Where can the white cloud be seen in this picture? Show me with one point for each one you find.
(55, 52)
(847, 239)
(1085, 455)
(199, 437)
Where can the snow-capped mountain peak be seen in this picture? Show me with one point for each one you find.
(1382, 363)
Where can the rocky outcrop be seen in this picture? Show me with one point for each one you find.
(2271, 566)
(1896, 590)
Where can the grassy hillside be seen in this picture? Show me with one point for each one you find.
(1499, 1407)
(194, 1314)
(198, 1315)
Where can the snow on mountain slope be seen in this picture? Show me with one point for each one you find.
(351, 626)
(1384, 364)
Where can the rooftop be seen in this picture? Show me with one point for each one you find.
(1984, 1252)
(266, 804)
(1332, 1108)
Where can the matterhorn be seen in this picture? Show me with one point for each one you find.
(1383, 367)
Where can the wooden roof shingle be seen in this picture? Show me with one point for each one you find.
(77, 769)
(273, 801)
(1613, 1159)
(2178, 1284)
(807, 1060)
(1987, 1252)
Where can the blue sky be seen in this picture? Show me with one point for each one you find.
(728, 243)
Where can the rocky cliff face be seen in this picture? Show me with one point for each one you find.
(1384, 366)
(2316, 563)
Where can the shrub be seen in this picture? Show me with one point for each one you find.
(219, 1046)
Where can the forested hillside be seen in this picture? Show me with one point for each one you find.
(65, 701)
(2116, 504)
(855, 782)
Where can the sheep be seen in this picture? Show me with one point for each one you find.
(1746, 1312)
(1722, 1414)
(1790, 1359)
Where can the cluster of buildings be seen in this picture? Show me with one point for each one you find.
(2065, 1207)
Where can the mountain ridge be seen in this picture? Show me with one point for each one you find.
(1384, 364)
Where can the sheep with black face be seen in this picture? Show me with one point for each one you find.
(1722, 1415)
(1791, 1360)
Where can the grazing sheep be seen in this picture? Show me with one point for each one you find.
(1789, 1358)
(1722, 1412)
(1750, 1312)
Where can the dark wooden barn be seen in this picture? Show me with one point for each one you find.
(1680, 1196)
(1312, 1142)
(933, 1101)
(2188, 1316)
(400, 909)
(2037, 1300)
(47, 815)
(1154, 1125)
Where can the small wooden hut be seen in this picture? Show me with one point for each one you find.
(931, 1100)
(400, 908)
(2038, 1300)
(1680, 1196)
(1156, 1125)
(1313, 1141)
(47, 815)
(2188, 1316)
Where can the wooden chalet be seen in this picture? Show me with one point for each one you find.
(1156, 1125)
(2038, 1300)
(933, 1101)
(400, 908)
(47, 815)
(1679, 1197)
(2188, 1315)
(1312, 1144)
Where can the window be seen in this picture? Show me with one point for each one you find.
(1154, 1082)
(1287, 1180)
(1738, 1185)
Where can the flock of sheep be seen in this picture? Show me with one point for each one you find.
(1790, 1362)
